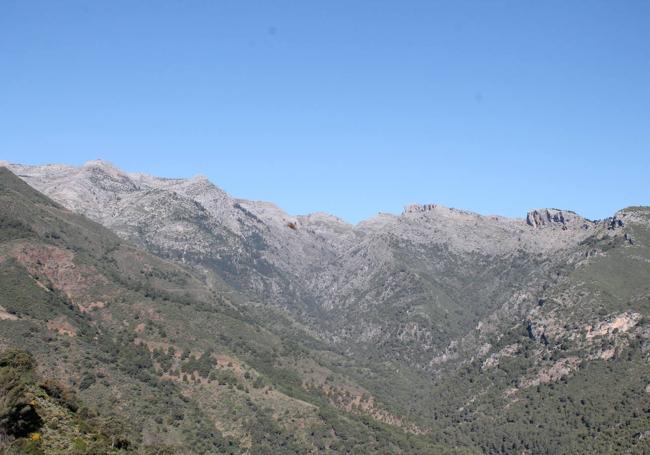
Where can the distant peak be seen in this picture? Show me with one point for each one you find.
(105, 166)
(99, 163)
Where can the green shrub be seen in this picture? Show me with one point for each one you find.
(18, 417)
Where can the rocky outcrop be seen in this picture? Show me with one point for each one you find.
(419, 208)
(545, 217)
(557, 219)
(613, 223)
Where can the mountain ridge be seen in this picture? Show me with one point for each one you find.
(461, 322)
(110, 167)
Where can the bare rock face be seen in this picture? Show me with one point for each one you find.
(541, 218)
(552, 218)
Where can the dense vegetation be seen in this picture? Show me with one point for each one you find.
(43, 417)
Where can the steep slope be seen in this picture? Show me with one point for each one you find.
(254, 246)
(177, 363)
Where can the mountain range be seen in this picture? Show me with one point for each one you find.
(173, 305)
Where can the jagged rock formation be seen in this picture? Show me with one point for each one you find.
(557, 218)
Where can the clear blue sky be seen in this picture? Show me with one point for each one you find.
(350, 107)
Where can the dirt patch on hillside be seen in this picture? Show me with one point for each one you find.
(62, 326)
(621, 323)
(58, 266)
(92, 306)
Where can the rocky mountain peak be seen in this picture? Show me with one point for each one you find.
(106, 176)
(102, 164)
